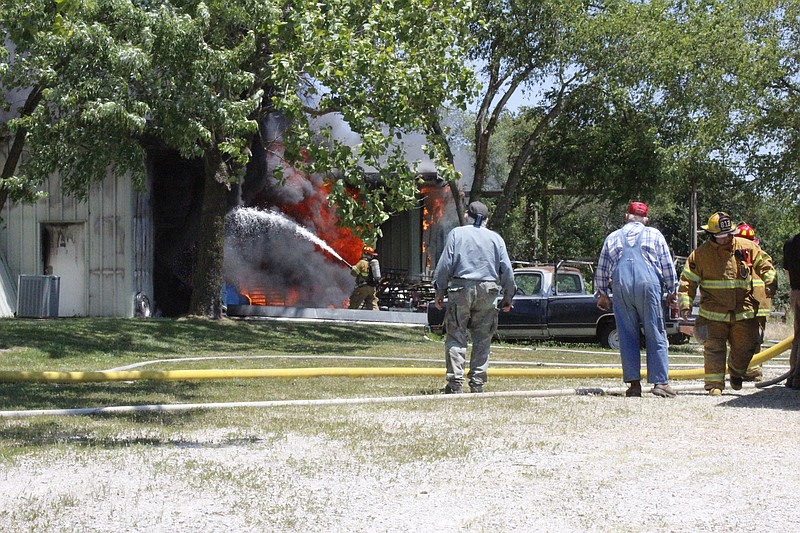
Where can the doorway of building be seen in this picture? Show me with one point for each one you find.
(63, 256)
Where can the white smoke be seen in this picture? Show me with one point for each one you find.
(266, 251)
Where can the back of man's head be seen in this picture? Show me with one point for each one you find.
(478, 212)
(637, 212)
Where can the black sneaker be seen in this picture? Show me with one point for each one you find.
(736, 383)
(476, 388)
(453, 388)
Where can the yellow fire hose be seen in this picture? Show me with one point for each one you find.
(10, 376)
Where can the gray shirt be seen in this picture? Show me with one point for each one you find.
(476, 254)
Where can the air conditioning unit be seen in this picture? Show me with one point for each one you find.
(37, 296)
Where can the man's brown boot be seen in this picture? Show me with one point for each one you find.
(664, 391)
(634, 389)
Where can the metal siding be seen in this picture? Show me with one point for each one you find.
(108, 250)
(125, 258)
(8, 290)
(110, 259)
(94, 252)
(400, 245)
(415, 242)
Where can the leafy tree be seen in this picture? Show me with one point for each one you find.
(122, 77)
(717, 78)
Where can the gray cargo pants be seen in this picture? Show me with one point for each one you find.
(471, 311)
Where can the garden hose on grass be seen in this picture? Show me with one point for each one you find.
(76, 377)
(550, 393)
(13, 376)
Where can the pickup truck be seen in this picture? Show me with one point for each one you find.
(552, 302)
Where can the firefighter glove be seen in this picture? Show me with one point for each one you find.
(770, 289)
(685, 313)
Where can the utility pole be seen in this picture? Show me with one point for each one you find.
(693, 216)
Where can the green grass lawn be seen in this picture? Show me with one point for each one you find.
(91, 344)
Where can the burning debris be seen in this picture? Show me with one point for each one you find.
(284, 247)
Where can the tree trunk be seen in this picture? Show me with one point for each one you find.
(435, 128)
(509, 193)
(207, 273)
(15, 150)
(544, 217)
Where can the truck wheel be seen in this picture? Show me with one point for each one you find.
(609, 336)
(678, 338)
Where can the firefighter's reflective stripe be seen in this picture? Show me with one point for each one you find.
(691, 276)
(725, 295)
(738, 283)
(714, 377)
(739, 371)
(725, 317)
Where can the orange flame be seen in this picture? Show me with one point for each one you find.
(433, 207)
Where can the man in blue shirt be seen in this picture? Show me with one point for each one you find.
(636, 267)
(474, 266)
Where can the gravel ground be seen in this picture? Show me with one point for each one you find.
(559, 464)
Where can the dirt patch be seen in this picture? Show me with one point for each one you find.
(573, 463)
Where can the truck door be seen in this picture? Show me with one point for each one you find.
(527, 316)
(571, 312)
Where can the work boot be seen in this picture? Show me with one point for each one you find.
(753, 374)
(663, 390)
(736, 382)
(634, 389)
(453, 387)
(475, 388)
(715, 392)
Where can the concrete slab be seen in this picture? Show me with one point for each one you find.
(312, 313)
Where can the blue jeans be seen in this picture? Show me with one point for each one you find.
(634, 304)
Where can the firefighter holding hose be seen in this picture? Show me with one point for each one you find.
(725, 270)
(367, 272)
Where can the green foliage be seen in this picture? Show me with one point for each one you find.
(196, 76)
(646, 99)
(122, 77)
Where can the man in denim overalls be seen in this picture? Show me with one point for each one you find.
(637, 266)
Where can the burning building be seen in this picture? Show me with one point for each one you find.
(285, 247)
(123, 246)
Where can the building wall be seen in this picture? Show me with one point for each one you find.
(110, 234)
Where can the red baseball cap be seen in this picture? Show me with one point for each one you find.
(637, 208)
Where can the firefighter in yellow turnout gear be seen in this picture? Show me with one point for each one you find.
(746, 231)
(727, 271)
(367, 272)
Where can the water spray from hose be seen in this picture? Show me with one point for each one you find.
(248, 221)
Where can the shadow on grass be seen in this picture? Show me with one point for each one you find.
(75, 430)
(775, 397)
(158, 338)
(34, 396)
(50, 432)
